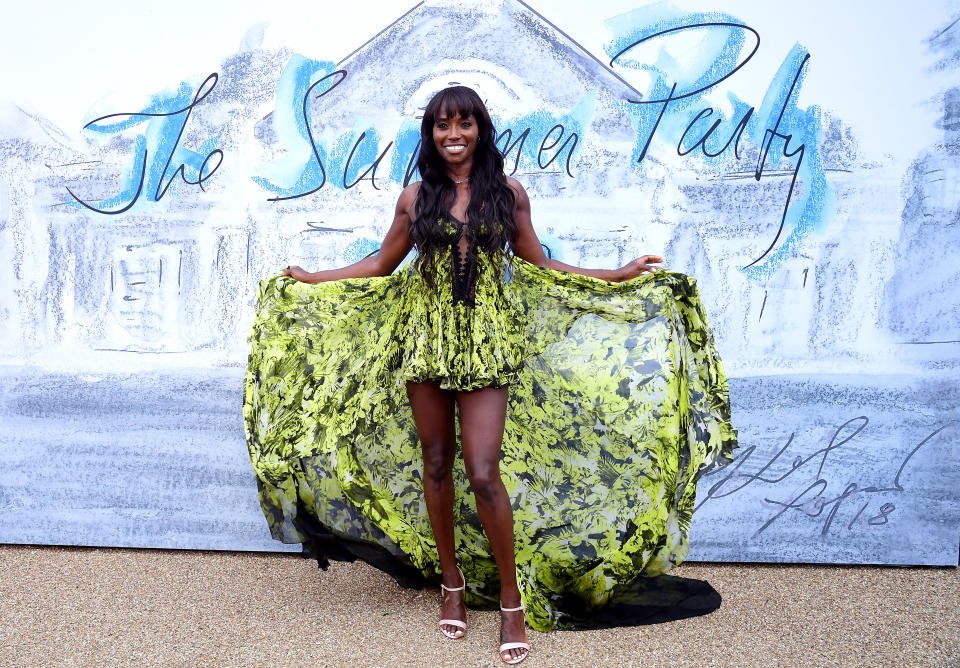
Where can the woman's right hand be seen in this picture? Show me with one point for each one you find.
(643, 264)
(297, 274)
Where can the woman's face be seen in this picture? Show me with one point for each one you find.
(455, 137)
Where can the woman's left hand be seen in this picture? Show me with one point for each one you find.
(644, 263)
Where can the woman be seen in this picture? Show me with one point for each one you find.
(456, 331)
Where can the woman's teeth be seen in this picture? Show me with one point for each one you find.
(456, 149)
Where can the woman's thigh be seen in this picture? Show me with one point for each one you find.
(483, 414)
(434, 413)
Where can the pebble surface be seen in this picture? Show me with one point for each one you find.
(72, 606)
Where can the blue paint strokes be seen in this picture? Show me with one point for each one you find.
(677, 87)
(313, 161)
(672, 84)
(718, 53)
(553, 245)
(298, 172)
(538, 141)
(160, 104)
(163, 138)
(354, 154)
(714, 136)
(158, 157)
(542, 140)
(403, 169)
(802, 128)
(358, 249)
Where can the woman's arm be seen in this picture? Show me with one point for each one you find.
(395, 247)
(528, 247)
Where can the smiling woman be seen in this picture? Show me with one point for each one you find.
(456, 139)
(585, 404)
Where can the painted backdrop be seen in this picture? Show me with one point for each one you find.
(815, 199)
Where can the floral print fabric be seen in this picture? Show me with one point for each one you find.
(618, 403)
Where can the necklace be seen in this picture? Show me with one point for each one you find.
(460, 181)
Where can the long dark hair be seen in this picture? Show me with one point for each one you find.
(491, 199)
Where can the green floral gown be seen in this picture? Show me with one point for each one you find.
(618, 403)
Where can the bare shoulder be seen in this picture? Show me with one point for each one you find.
(519, 193)
(517, 187)
(407, 199)
(521, 200)
(408, 195)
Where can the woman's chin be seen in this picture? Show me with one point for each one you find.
(452, 158)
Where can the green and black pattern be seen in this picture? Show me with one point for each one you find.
(618, 404)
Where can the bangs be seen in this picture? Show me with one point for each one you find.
(458, 101)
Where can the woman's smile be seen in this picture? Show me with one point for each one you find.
(455, 137)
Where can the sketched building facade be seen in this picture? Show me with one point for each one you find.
(178, 275)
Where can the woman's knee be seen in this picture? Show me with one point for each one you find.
(437, 462)
(485, 480)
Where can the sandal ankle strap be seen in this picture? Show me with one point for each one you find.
(460, 588)
(503, 609)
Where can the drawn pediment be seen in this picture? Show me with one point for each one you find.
(437, 39)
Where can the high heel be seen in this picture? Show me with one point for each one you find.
(507, 646)
(453, 622)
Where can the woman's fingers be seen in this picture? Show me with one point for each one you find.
(648, 263)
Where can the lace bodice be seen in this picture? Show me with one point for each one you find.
(465, 240)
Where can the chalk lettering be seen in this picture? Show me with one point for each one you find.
(543, 147)
(371, 170)
(204, 173)
(337, 76)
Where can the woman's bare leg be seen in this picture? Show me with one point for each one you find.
(433, 412)
(482, 417)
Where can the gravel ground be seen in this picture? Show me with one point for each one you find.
(112, 607)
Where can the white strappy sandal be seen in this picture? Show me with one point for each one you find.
(507, 646)
(453, 622)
